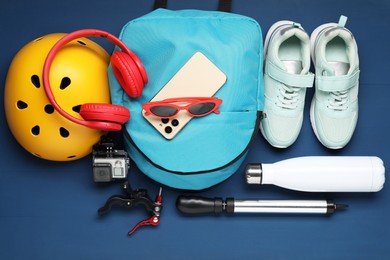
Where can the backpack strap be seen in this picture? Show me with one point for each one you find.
(223, 5)
(160, 4)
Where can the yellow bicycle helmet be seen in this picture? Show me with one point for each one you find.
(78, 75)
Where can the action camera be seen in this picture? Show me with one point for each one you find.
(109, 164)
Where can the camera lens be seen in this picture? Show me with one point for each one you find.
(165, 120)
(102, 173)
(175, 122)
(168, 129)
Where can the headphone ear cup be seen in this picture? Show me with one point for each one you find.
(104, 112)
(128, 73)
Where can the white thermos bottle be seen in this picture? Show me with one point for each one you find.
(321, 174)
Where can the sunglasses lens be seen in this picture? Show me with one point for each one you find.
(203, 108)
(163, 111)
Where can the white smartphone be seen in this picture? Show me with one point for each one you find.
(199, 77)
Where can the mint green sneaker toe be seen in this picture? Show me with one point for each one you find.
(283, 130)
(333, 132)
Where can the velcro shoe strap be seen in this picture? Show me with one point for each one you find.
(293, 80)
(337, 83)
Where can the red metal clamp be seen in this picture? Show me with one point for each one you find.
(132, 198)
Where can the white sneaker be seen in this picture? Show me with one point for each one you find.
(286, 77)
(334, 109)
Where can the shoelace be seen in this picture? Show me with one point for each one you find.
(338, 100)
(288, 97)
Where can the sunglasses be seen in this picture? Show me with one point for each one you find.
(195, 106)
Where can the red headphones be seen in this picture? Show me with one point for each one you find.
(128, 70)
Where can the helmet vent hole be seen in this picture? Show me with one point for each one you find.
(38, 39)
(72, 156)
(35, 130)
(65, 82)
(35, 81)
(76, 108)
(82, 43)
(63, 132)
(21, 105)
(49, 109)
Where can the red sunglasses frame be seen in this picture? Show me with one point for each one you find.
(191, 100)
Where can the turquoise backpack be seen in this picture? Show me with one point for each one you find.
(208, 149)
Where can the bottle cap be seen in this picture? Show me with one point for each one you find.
(253, 173)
